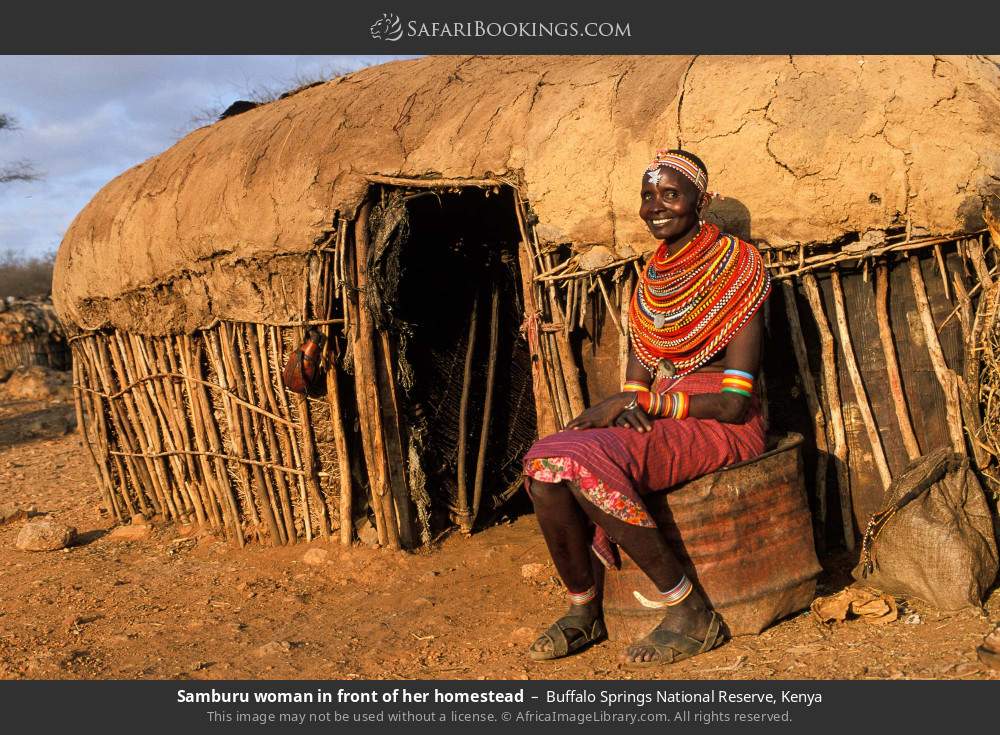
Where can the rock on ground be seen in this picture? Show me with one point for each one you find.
(45, 535)
(37, 384)
(315, 556)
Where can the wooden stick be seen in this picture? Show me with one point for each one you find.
(612, 310)
(176, 423)
(343, 458)
(860, 394)
(90, 373)
(978, 259)
(162, 417)
(276, 359)
(255, 344)
(208, 433)
(100, 471)
(309, 460)
(624, 300)
(175, 350)
(464, 519)
(364, 357)
(899, 402)
(487, 402)
(134, 426)
(832, 392)
(946, 377)
(263, 432)
(942, 270)
(967, 392)
(434, 183)
(813, 402)
(235, 431)
(351, 308)
(570, 372)
(396, 448)
(814, 262)
(545, 400)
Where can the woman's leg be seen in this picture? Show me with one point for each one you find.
(653, 555)
(567, 534)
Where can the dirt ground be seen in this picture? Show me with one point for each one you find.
(183, 604)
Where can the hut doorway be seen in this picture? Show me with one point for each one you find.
(444, 290)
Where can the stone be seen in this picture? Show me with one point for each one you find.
(134, 532)
(529, 571)
(523, 635)
(272, 648)
(368, 535)
(10, 515)
(45, 535)
(315, 556)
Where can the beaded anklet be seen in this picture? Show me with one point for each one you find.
(671, 597)
(582, 598)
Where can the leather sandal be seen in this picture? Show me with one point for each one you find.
(672, 647)
(592, 630)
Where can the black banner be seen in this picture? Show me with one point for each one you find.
(515, 26)
(451, 706)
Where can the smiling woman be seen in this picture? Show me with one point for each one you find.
(694, 318)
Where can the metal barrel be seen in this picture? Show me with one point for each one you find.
(744, 535)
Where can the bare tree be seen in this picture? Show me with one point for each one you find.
(16, 170)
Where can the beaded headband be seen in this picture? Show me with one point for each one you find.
(691, 170)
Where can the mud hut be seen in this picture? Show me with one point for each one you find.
(464, 230)
(30, 334)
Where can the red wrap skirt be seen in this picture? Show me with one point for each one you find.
(615, 467)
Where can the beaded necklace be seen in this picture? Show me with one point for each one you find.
(688, 306)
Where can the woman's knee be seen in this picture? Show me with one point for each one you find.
(541, 492)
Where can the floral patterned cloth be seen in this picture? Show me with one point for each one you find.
(560, 469)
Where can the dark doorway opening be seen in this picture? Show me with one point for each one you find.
(444, 265)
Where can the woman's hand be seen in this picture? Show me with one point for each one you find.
(611, 412)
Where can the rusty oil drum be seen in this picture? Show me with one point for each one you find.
(744, 534)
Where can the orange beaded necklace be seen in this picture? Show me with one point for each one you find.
(688, 306)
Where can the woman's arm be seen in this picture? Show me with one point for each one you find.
(743, 353)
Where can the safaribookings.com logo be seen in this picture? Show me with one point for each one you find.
(390, 28)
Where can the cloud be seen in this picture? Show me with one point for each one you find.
(85, 119)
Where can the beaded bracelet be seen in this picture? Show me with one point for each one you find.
(737, 381)
(635, 386)
(671, 405)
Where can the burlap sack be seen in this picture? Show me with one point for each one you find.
(934, 537)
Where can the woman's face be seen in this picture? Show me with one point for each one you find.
(669, 204)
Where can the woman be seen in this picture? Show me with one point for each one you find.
(686, 409)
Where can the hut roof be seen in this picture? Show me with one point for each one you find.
(805, 149)
(24, 320)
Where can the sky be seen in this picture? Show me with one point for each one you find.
(82, 120)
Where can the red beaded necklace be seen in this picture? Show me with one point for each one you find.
(688, 306)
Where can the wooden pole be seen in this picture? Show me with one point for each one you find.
(813, 402)
(899, 402)
(395, 451)
(860, 394)
(309, 461)
(100, 471)
(946, 377)
(464, 519)
(256, 349)
(343, 459)
(545, 400)
(832, 391)
(487, 402)
(204, 419)
(367, 385)
(276, 356)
